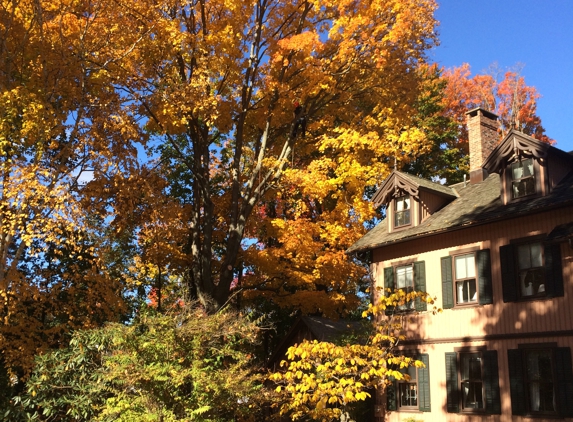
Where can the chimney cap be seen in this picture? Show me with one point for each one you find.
(474, 112)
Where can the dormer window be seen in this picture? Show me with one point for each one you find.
(522, 178)
(402, 211)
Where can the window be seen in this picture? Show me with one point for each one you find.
(472, 381)
(412, 394)
(408, 277)
(541, 380)
(522, 178)
(465, 274)
(405, 282)
(531, 274)
(402, 211)
(531, 270)
(408, 389)
(466, 279)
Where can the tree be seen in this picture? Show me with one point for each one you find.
(216, 87)
(52, 278)
(501, 92)
(176, 367)
(323, 380)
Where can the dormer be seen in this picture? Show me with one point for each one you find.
(528, 168)
(409, 200)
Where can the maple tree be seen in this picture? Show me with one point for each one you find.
(216, 87)
(210, 89)
(504, 93)
(52, 277)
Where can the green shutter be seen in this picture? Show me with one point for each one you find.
(391, 391)
(484, 277)
(447, 283)
(508, 273)
(491, 382)
(420, 284)
(389, 284)
(516, 381)
(424, 384)
(564, 376)
(553, 270)
(452, 390)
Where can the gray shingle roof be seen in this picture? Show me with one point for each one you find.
(477, 204)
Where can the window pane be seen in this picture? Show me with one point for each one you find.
(517, 171)
(465, 266)
(461, 267)
(532, 282)
(539, 365)
(523, 257)
(527, 167)
(536, 257)
(408, 394)
(471, 366)
(404, 277)
(472, 395)
(540, 387)
(466, 291)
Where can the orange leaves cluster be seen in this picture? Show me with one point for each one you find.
(502, 92)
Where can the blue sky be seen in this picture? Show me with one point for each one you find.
(535, 33)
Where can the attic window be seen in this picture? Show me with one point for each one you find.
(522, 178)
(402, 211)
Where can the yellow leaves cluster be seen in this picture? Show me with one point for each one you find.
(316, 374)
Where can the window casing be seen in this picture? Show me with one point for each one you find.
(541, 380)
(408, 389)
(522, 178)
(465, 279)
(405, 282)
(539, 385)
(412, 394)
(472, 381)
(407, 277)
(402, 215)
(531, 272)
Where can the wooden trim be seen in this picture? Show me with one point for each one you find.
(469, 349)
(549, 345)
(464, 251)
(491, 337)
(529, 239)
(403, 263)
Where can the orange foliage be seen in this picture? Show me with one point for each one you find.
(509, 97)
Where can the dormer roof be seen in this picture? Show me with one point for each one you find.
(518, 144)
(412, 185)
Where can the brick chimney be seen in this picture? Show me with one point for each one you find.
(483, 138)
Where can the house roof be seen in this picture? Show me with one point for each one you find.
(316, 328)
(518, 143)
(476, 204)
(410, 184)
(324, 329)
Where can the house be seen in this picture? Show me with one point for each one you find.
(497, 251)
